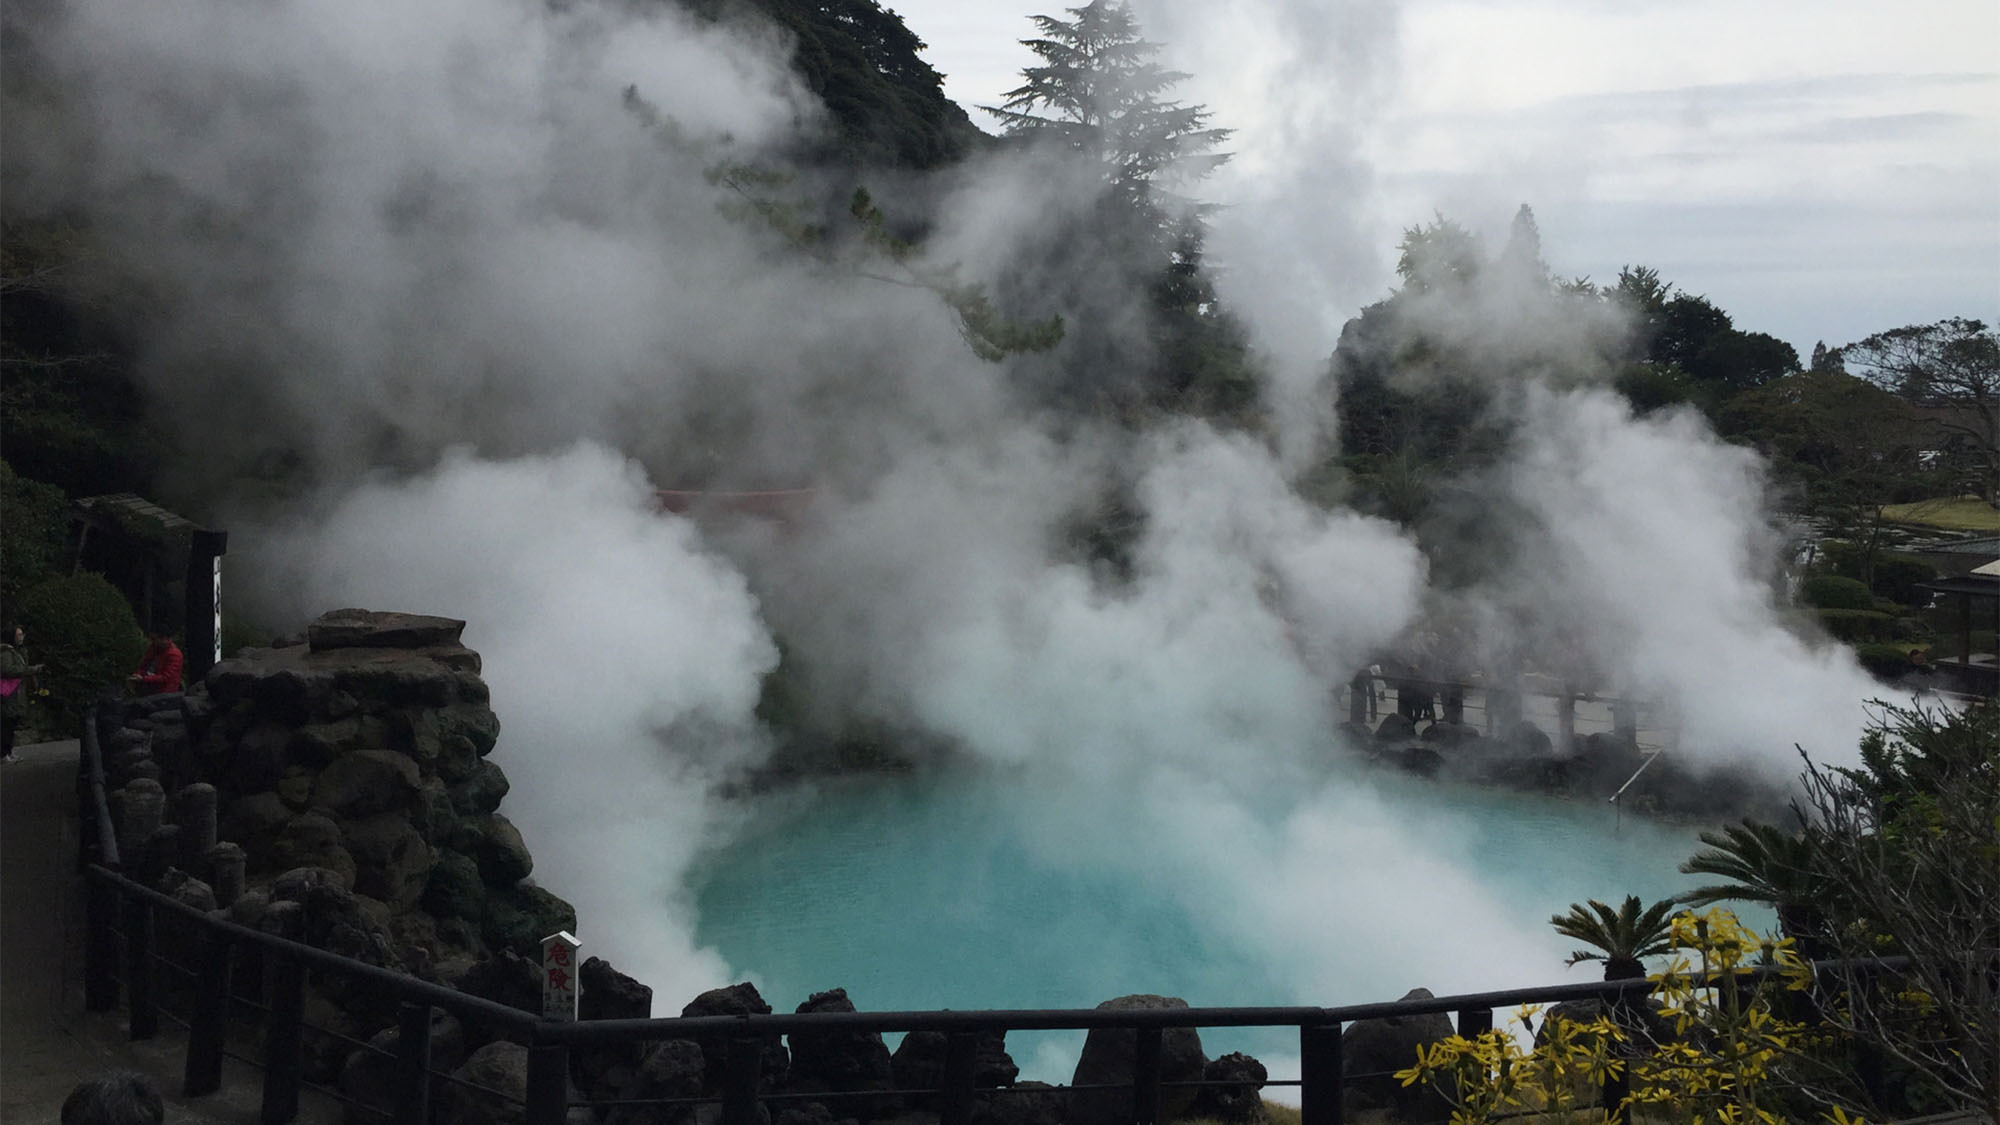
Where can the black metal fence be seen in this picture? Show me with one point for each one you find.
(242, 991)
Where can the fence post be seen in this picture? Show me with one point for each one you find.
(100, 946)
(1319, 1075)
(548, 1084)
(1146, 1076)
(143, 1018)
(209, 1019)
(413, 1064)
(961, 1065)
(284, 1038)
(1474, 1022)
(741, 1065)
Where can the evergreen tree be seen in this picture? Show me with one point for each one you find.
(1128, 273)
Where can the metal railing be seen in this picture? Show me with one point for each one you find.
(120, 948)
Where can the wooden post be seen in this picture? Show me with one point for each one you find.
(284, 1039)
(100, 947)
(740, 1068)
(1146, 1076)
(1319, 1074)
(548, 1084)
(143, 1016)
(209, 1019)
(413, 1064)
(961, 1063)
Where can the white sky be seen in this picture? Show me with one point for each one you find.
(1821, 169)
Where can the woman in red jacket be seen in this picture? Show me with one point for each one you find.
(160, 669)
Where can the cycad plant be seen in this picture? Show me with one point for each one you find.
(1764, 864)
(1620, 938)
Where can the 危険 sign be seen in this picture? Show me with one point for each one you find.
(559, 975)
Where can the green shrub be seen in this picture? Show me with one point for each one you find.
(83, 629)
(1829, 591)
(1898, 579)
(33, 535)
(1885, 662)
(1856, 625)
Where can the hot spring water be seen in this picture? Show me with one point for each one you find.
(984, 889)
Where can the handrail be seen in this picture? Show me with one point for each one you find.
(588, 1032)
(93, 778)
(404, 985)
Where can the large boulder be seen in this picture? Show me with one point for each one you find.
(311, 840)
(366, 782)
(1237, 1095)
(454, 889)
(604, 993)
(1371, 1051)
(738, 1000)
(669, 1069)
(391, 860)
(368, 1079)
(496, 846)
(363, 628)
(1108, 1057)
(842, 1061)
(1024, 1103)
(481, 791)
(918, 1063)
(520, 916)
(490, 1087)
(1395, 728)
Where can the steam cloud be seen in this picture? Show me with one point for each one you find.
(426, 247)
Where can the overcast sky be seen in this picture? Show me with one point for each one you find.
(1821, 169)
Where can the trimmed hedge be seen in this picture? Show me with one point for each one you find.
(84, 630)
(1830, 591)
(1885, 662)
(1857, 625)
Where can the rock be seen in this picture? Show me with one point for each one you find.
(141, 810)
(1108, 1056)
(519, 917)
(1371, 1051)
(497, 848)
(432, 812)
(491, 1087)
(738, 1000)
(369, 1077)
(1240, 1099)
(320, 743)
(505, 978)
(1449, 734)
(363, 783)
(361, 628)
(257, 760)
(481, 792)
(295, 789)
(804, 1113)
(842, 1061)
(455, 889)
(604, 993)
(311, 840)
(195, 812)
(918, 1063)
(474, 722)
(1526, 740)
(225, 864)
(193, 892)
(1026, 1103)
(1395, 728)
(669, 1069)
(391, 860)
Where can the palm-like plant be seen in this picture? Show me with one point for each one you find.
(1765, 864)
(1620, 937)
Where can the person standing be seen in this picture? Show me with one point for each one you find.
(14, 673)
(160, 669)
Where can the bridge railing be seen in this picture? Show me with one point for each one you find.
(232, 970)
